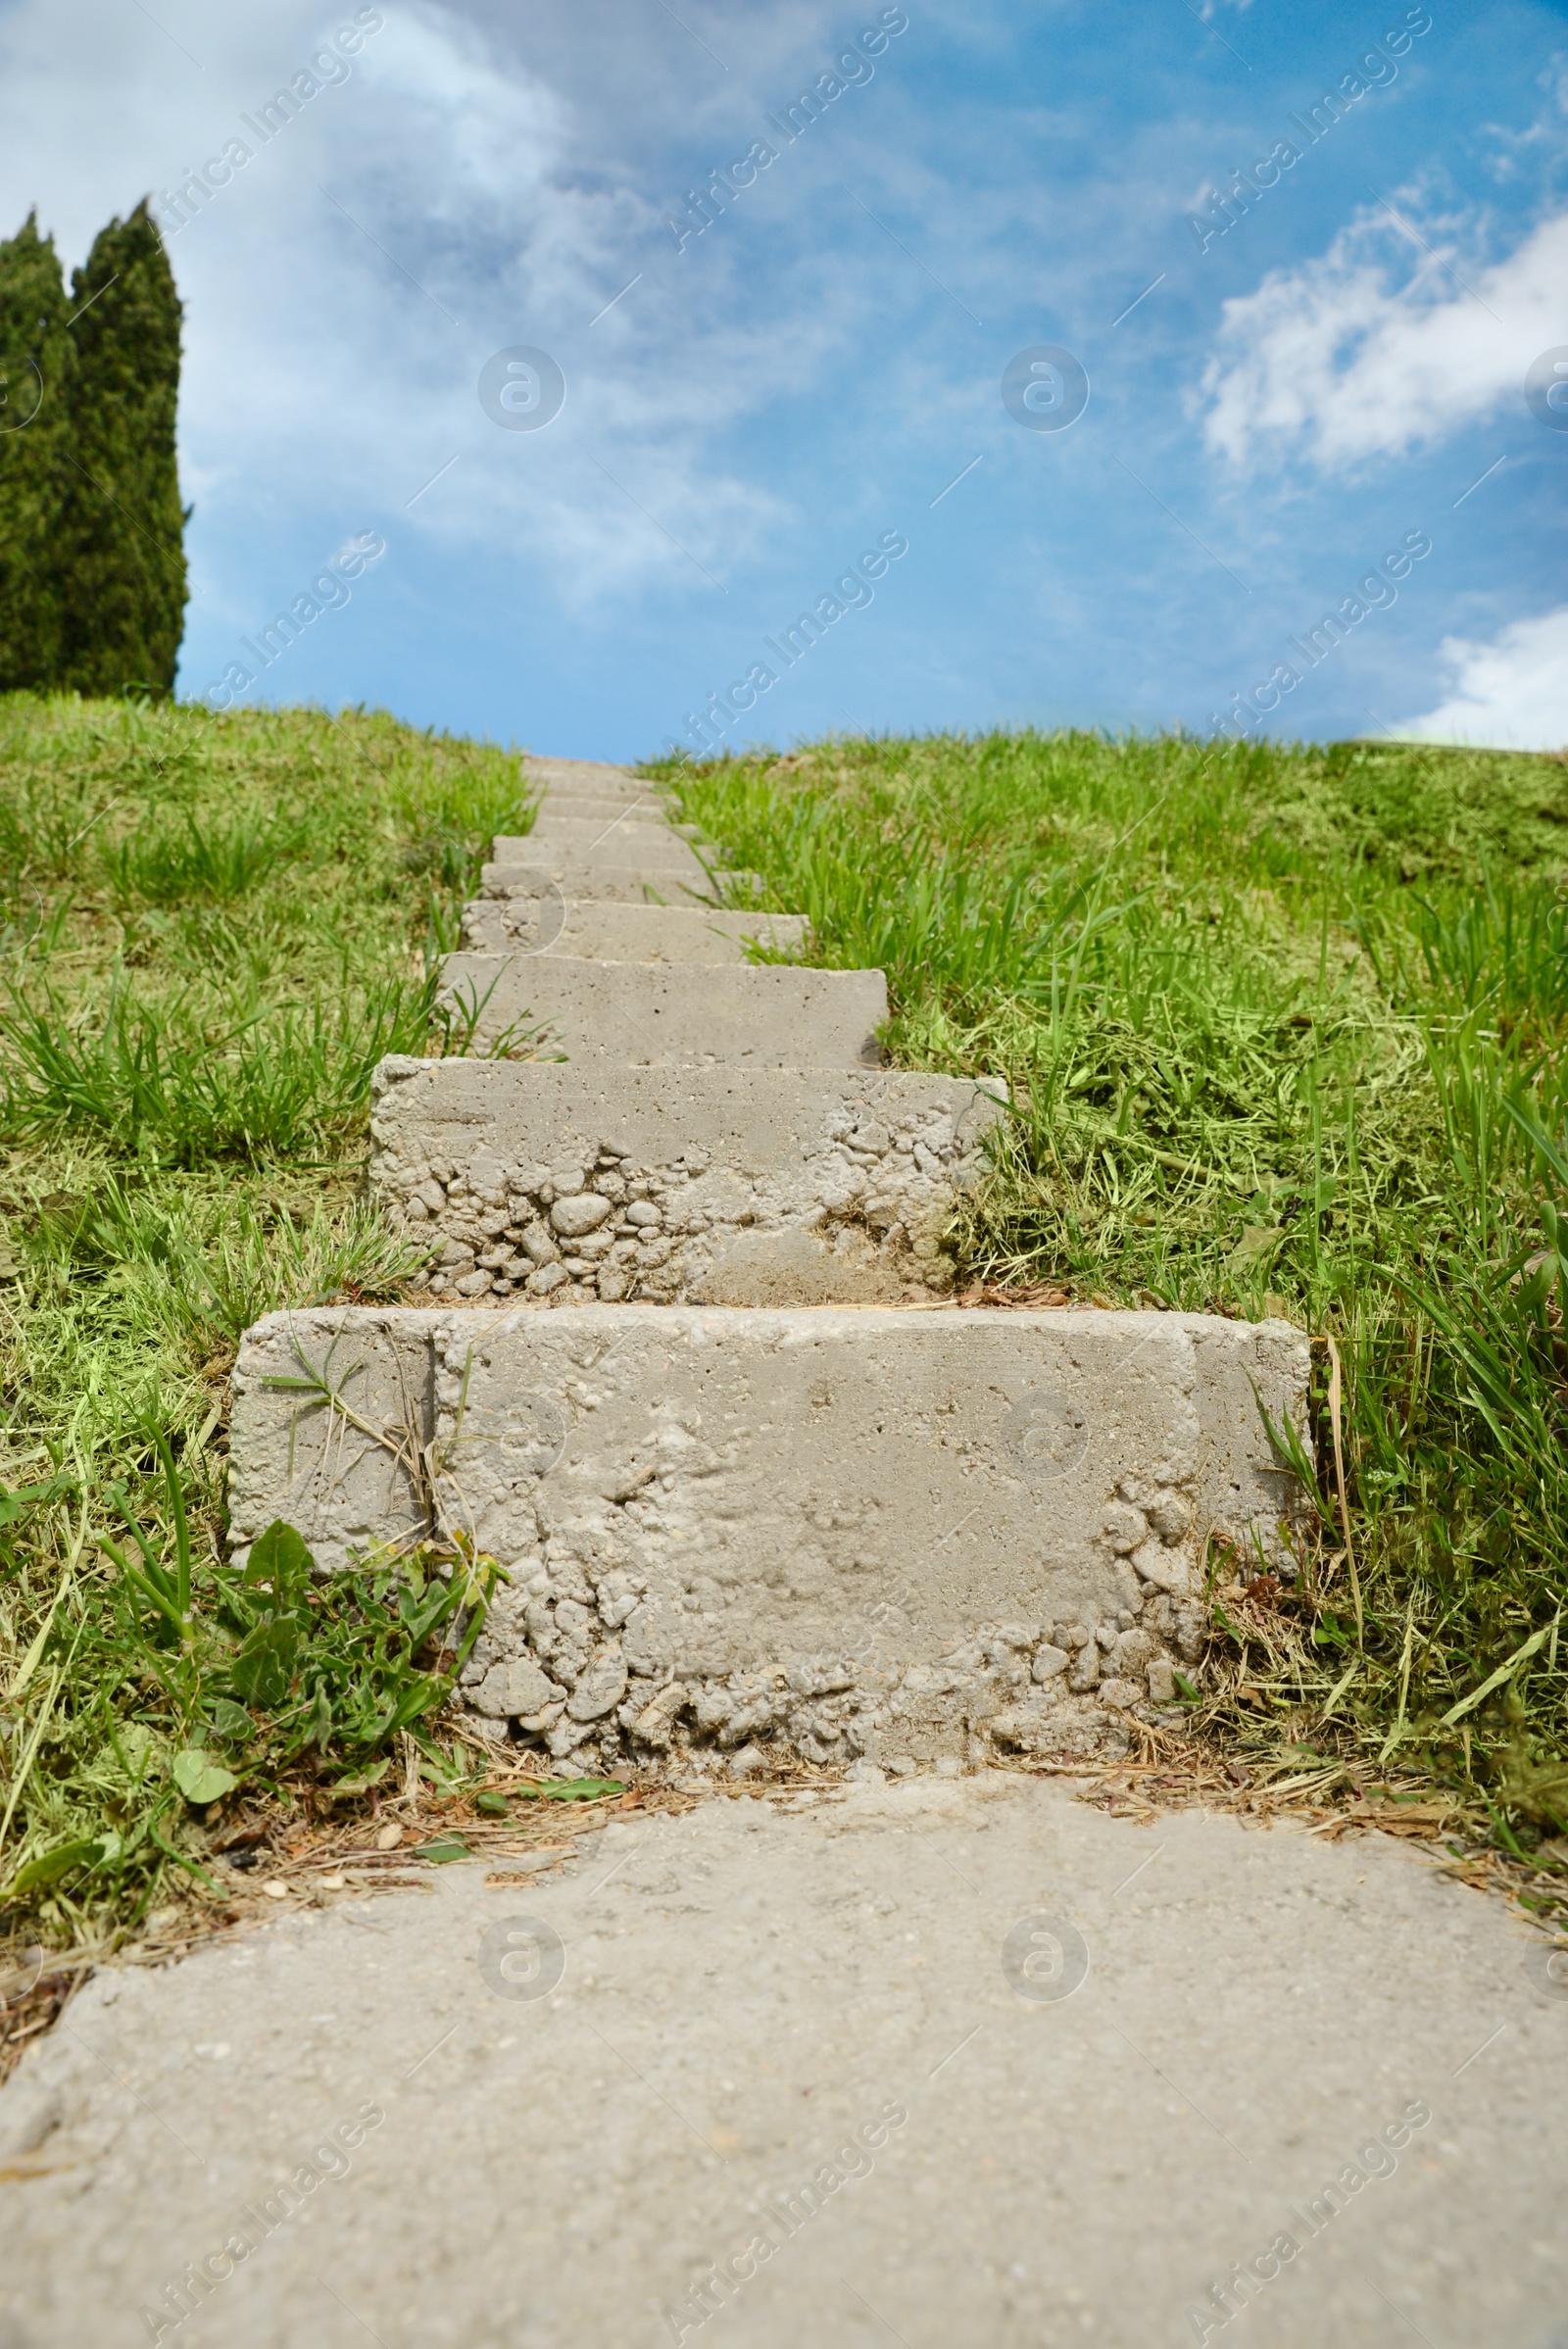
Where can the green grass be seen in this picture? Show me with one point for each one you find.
(1286, 1028)
(211, 929)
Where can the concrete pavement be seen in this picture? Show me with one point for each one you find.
(945, 2061)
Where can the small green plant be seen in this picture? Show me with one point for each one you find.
(571, 1789)
(265, 1672)
(284, 1664)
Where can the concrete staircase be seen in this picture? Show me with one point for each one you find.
(692, 1373)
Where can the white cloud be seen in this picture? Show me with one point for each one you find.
(1508, 695)
(341, 324)
(319, 379)
(1325, 359)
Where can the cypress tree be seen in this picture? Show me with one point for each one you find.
(121, 555)
(36, 363)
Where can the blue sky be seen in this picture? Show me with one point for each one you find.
(1287, 404)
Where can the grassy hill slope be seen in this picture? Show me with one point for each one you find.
(1286, 1031)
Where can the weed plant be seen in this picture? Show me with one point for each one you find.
(211, 929)
(1286, 1030)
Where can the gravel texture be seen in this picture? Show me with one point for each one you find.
(890, 1536)
(728, 1186)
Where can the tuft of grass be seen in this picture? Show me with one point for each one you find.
(211, 929)
(1286, 1028)
(185, 1077)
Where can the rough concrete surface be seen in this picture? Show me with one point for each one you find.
(733, 1186)
(774, 1015)
(644, 805)
(584, 774)
(843, 1534)
(632, 807)
(654, 847)
(541, 923)
(629, 832)
(590, 783)
(627, 809)
(810, 2064)
(623, 790)
(625, 813)
(612, 882)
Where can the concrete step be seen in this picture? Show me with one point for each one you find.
(587, 840)
(579, 831)
(725, 1186)
(897, 1535)
(581, 774)
(624, 881)
(546, 925)
(594, 806)
(609, 783)
(677, 1014)
(606, 810)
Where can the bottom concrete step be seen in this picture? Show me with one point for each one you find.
(830, 1534)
